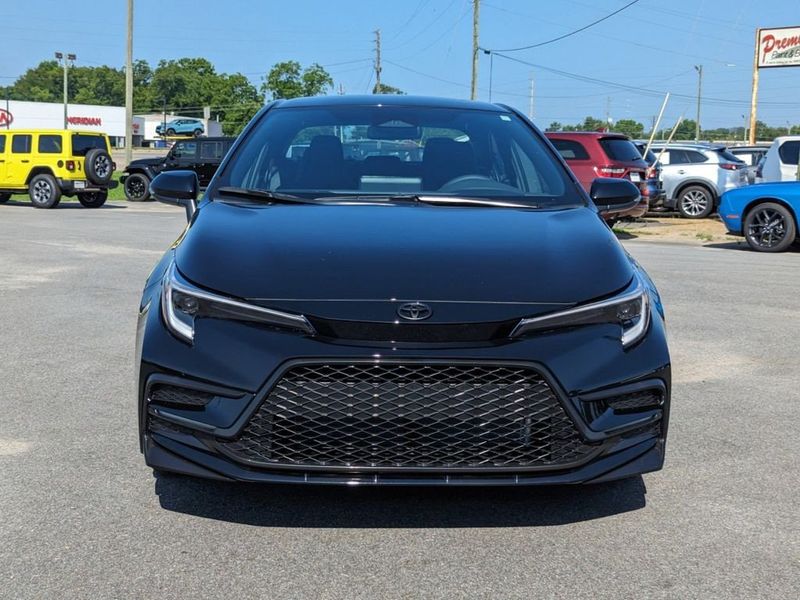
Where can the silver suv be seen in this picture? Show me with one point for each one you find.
(696, 175)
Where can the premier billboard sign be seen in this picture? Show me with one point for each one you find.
(778, 47)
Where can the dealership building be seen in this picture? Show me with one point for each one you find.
(16, 114)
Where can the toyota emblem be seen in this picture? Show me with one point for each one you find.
(414, 311)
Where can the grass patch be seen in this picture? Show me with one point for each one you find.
(705, 236)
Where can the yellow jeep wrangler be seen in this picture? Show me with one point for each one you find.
(51, 163)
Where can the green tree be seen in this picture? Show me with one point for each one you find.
(387, 89)
(286, 80)
(629, 127)
(42, 83)
(593, 124)
(554, 126)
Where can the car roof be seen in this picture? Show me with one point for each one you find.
(217, 138)
(595, 134)
(690, 145)
(54, 131)
(389, 100)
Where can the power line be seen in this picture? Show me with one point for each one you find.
(571, 33)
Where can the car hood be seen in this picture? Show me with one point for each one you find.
(349, 261)
(145, 162)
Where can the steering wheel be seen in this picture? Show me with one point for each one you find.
(474, 182)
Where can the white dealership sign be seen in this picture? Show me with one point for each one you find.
(779, 47)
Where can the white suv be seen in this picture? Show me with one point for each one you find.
(780, 163)
(696, 175)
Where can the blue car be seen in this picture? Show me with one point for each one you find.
(181, 127)
(765, 214)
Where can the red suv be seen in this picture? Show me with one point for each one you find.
(593, 154)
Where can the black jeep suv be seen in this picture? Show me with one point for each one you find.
(202, 155)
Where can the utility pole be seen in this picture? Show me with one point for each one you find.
(476, 10)
(608, 113)
(699, 69)
(744, 135)
(530, 98)
(129, 89)
(377, 61)
(754, 92)
(66, 61)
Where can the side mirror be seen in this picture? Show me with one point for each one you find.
(611, 195)
(179, 188)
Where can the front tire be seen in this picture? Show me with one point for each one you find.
(4, 197)
(769, 227)
(137, 187)
(695, 202)
(44, 191)
(170, 131)
(93, 199)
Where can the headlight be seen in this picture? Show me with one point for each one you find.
(182, 303)
(631, 310)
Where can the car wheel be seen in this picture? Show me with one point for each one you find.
(170, 131)
(198, 132)
(695, 202)
(98, 166)
(44, 191)
(137, 187)
(769, 227)
(93, 199)
(4, 197)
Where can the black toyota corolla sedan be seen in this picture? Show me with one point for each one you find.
(402, 291)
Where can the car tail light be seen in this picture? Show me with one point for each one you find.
(609, 171)
(70, 165)
(730, 166)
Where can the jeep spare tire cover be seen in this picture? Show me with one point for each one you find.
(98, 166)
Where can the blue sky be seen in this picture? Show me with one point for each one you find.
(654, 44)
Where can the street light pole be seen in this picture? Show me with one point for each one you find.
(66, 60)
(129, 89)
(699, 69)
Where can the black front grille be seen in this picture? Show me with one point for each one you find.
(413, 332)
(174, 395)
(638, 401)
(410, 416)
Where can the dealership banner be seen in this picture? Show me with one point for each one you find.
(779, 47)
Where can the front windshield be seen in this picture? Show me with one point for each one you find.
(373, 151)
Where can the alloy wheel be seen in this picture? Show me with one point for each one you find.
(42, 191)
(102, 166)
(136, 188)
(768, 228)
(694, 202)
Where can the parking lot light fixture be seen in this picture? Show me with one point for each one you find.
(66, 63)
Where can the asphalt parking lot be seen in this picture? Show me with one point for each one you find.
(82, 517)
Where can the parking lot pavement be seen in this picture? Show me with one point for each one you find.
(82, 517)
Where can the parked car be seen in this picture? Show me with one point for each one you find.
(765, 214)
(202, 156)
(654, 189)
(592, 154)
(465, 318)
(696, 175)
(181, 127)
(780, 163)
(51, 163)
(750, 155)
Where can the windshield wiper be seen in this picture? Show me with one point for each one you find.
(458, 201)
(264, 195)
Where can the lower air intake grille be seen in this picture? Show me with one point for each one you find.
(637, 401)
(179, 396)
(410, 416)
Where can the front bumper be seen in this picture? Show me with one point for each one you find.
(579, 363)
